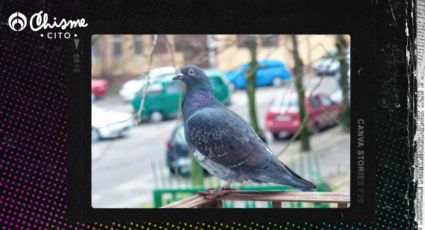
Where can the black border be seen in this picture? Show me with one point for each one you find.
(326, 17)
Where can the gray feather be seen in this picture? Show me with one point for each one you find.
(224, 143)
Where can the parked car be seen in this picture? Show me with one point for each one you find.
(283, 119)
(222, 89)
(177, 153)
(99, 87)
(269, 72)
(162, 97)
(130, 88)
(109, 124)
(337, 96)
(329, 65)
(178, 159)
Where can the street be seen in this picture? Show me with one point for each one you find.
(122, 168)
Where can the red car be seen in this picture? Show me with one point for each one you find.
(283, 119)
(99, 87)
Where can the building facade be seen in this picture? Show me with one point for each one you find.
(127, 56)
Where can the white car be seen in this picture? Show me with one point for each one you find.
(329, 66)
(338, 98)
(130, 88)
(326, 67)
(109, 124)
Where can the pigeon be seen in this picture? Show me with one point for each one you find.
(224, 143)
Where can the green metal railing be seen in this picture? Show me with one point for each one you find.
(165, 196)
(170, 189)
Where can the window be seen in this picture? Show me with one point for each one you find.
(116, 45)
(154, 90)
(173, 87)
(241, 41)
(137, 44)
(179, 136)
(314, 101)
(269, 40)
(193, 46)
(216, 81)
(286, 102)
(259, 66)
(181, 42)
(95, 51)
(325, 101)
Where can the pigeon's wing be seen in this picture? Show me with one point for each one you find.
(226, 139)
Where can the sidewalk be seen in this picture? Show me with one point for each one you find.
(328, 161)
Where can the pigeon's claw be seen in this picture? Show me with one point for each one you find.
(207, 193)
(213, 193)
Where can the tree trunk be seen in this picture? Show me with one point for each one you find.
(342, 45)
(250, 88)
(298, 75)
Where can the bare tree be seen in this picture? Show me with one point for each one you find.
(251, 44)
(298, 75)
(342, 45)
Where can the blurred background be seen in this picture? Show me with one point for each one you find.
(293, 89)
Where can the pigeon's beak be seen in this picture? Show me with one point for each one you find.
(178, 77)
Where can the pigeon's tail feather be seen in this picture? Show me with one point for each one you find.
(278, 173)
(297, 181)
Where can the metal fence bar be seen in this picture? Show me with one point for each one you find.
(189, 202)
(342, 205)
(276, 204)
(288, 196)
(276, 197)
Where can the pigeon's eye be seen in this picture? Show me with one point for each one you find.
(191, 72)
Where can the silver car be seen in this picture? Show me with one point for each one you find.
(130, 88)
(109, 124)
